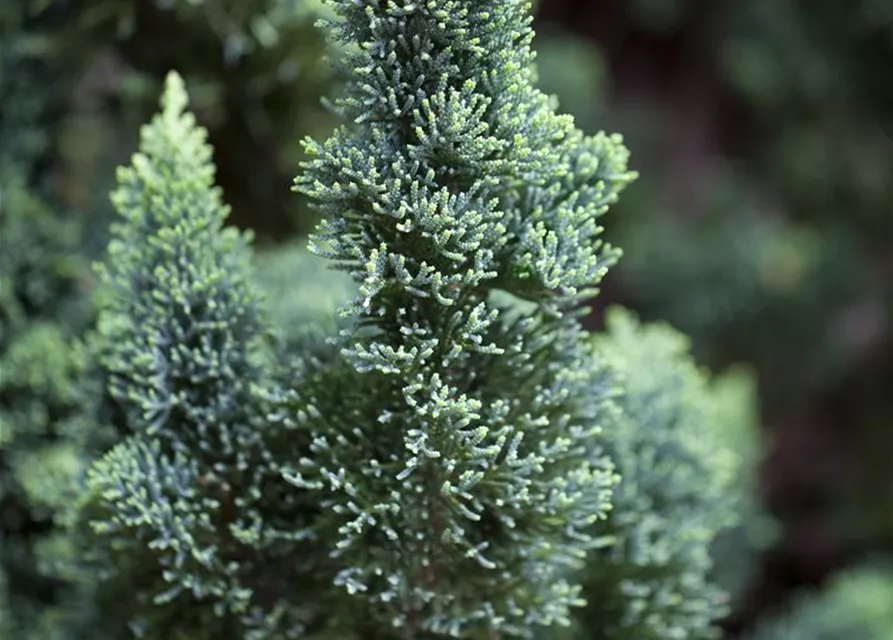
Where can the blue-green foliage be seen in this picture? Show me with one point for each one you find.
(179, 284)
(460, 506)
(680, 443)
(856, 604)
(183, 512)
(445, 463)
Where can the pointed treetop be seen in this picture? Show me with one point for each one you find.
(174, 100)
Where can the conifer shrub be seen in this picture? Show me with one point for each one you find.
(483, 471)
(449, 453)
(187, 502)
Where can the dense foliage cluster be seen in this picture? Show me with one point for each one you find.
(448, 466)
(675, 428)
(455, 180)
(188, 501)
(410, 434)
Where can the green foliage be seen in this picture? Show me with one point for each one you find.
(856, 604)
(679, 443)
(459, 510)
(185, 511)
(442, 458)
(43, 307)
(165, 267)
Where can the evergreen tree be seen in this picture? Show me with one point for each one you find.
(446, 465)
(183, 514)
(458, 460)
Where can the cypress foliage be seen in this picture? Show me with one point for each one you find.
(680, 446)
(182, 513)
(460, 467)
(447, 464)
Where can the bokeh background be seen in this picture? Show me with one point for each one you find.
(761, 225)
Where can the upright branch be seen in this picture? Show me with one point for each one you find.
(187, 511)
(455, 453)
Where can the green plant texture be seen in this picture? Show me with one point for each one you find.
(855, 604)
(454, 180)
(675, 428)
(43, 310)
(420, 441)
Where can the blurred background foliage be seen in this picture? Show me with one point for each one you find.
(761, 226)
(855, 604)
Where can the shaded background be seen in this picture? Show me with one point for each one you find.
(761, 225)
